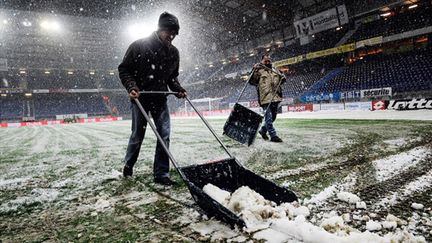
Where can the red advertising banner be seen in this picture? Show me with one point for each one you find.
(44, 123)
(300, 107)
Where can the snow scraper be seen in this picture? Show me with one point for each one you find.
(243, 123)
(227, 174)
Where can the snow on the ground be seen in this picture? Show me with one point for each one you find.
(346, 184)
(417, 206)
(348, 197)
(70, 165)
(36, 196)
(217, 230)
(375, 115)
(308, 167)
(373, 225)
(13, 183)
(419, 184)
(280, 223)
(392, 165)
(424, 114)
(396, 143)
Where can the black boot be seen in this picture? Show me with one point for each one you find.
(166, 181)
(276, 139)
(263, 135)
(127, 171)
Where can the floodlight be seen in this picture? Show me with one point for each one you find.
(137, 31)
(50, 25)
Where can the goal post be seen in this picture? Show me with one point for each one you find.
(204, 104)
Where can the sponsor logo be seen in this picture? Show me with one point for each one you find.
(300, 107)
(413, 104)
(376, 92)
(350, 95)
(328, 19)
(378, 105)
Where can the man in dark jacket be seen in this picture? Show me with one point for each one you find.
(152, 64)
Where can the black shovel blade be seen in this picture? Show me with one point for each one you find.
(229, 175)
(242, 124)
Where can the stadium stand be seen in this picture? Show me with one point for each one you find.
(11, 107)
(49, 105)
(395, 23)
(404, 72)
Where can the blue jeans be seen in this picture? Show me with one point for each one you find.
(269, 118)
(161, 119)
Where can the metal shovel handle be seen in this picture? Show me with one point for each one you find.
(246, 84)
(273, 96)
(159, 92)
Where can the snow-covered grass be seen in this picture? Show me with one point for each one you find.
(63, 182)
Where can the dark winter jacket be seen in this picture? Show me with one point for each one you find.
(149, 65)
(267, 81)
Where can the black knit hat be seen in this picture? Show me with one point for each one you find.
(168, 21)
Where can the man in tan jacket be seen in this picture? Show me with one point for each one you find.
(268, 82)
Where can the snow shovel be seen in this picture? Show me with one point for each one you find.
(227, 174)
(243, 124)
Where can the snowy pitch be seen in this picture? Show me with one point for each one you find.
(63, 182)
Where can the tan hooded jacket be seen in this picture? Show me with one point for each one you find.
(267, 81)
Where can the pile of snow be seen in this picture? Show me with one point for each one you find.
(360, 205)
(373, 225)
(348, 197)
(217, 194)
(288, 221)
(417, 206)
(322, 196)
